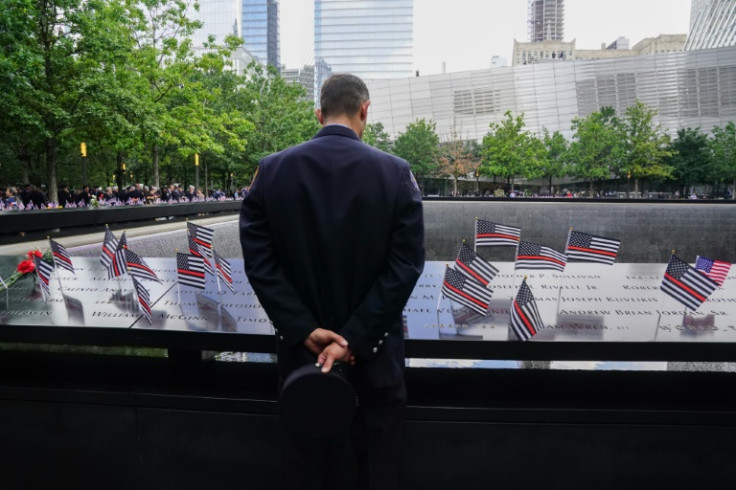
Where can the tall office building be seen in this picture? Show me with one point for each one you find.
(369, 38)
(261, 30)
(712, 24)
(546, 20)
(219, 18)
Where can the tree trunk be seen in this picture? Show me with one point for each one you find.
(636, 186)
(733, 189)
(119, 170)
(550, 187)
(155, 166)
(590, 188)
(50, 145)
(454, 187)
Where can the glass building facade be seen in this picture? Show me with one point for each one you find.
(261, 30)
(220, 18)
(369, 38)
(688, 89)
(546, 20)
(712, 24)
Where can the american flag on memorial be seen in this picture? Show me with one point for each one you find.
(717, 270)
(468, 292)
(119, 264)
(525, 318)
(591, 248)
(686, 284)
(224, 270)
(202, 236)
(137, 267)
(43, 271)
(496, 235)
(532, 256)
(107, 258)
(470, 264)
(198, 251)
(144, 299)
(61, 256)
(190, 270)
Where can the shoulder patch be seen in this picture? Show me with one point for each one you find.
(414, 181)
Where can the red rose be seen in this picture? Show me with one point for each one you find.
(37, 253)
(26, 266)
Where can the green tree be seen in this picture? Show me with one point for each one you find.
(375, 135)
(50, 67)
(691, 158)
(554, 157)
(281, 116)
(509, 150)
(456, 159)
(596, 147)
(645, 147)
(419, 145)
(723, 147)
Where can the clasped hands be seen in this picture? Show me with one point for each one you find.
(329, 347)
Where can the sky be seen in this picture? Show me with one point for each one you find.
(465, 34)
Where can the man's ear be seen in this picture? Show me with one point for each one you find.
(318, 113)
(364, 110)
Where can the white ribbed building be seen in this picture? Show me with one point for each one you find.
(687, 88)
(712, 24)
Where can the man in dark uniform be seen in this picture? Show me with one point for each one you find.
(333, 242)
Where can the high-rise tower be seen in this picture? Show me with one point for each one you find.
(546, 20)
(372, 39)
(712, 24)
(261, 30)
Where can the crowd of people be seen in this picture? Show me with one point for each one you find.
(30, 197)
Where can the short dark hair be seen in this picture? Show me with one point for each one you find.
(342, 94)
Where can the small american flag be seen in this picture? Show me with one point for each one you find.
(470, 264)
(190, 270)
(686, 284)
(468, 292)
(715, 269)
(144, 299)
(525, 319)
(119, 264)
(202, 236)
(43, 271)
(224, 271)
(496, 235)
(198, 251)
(591, 248)
(107, 258)
(532, 256)
(137, 267)
(61, 256)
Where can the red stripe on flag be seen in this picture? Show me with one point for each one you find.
(685, 287)
(62, 258)
(498, 235)
(485, 283)
(190, 273)
(524, 318)
(467, 296)
(601, 252)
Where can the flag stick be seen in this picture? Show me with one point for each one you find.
(7, 300)
(516, 255)
(178, 286)
(475, 241)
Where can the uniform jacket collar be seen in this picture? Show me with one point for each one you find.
(337, 130)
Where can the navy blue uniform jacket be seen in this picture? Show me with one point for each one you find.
(332, 232)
